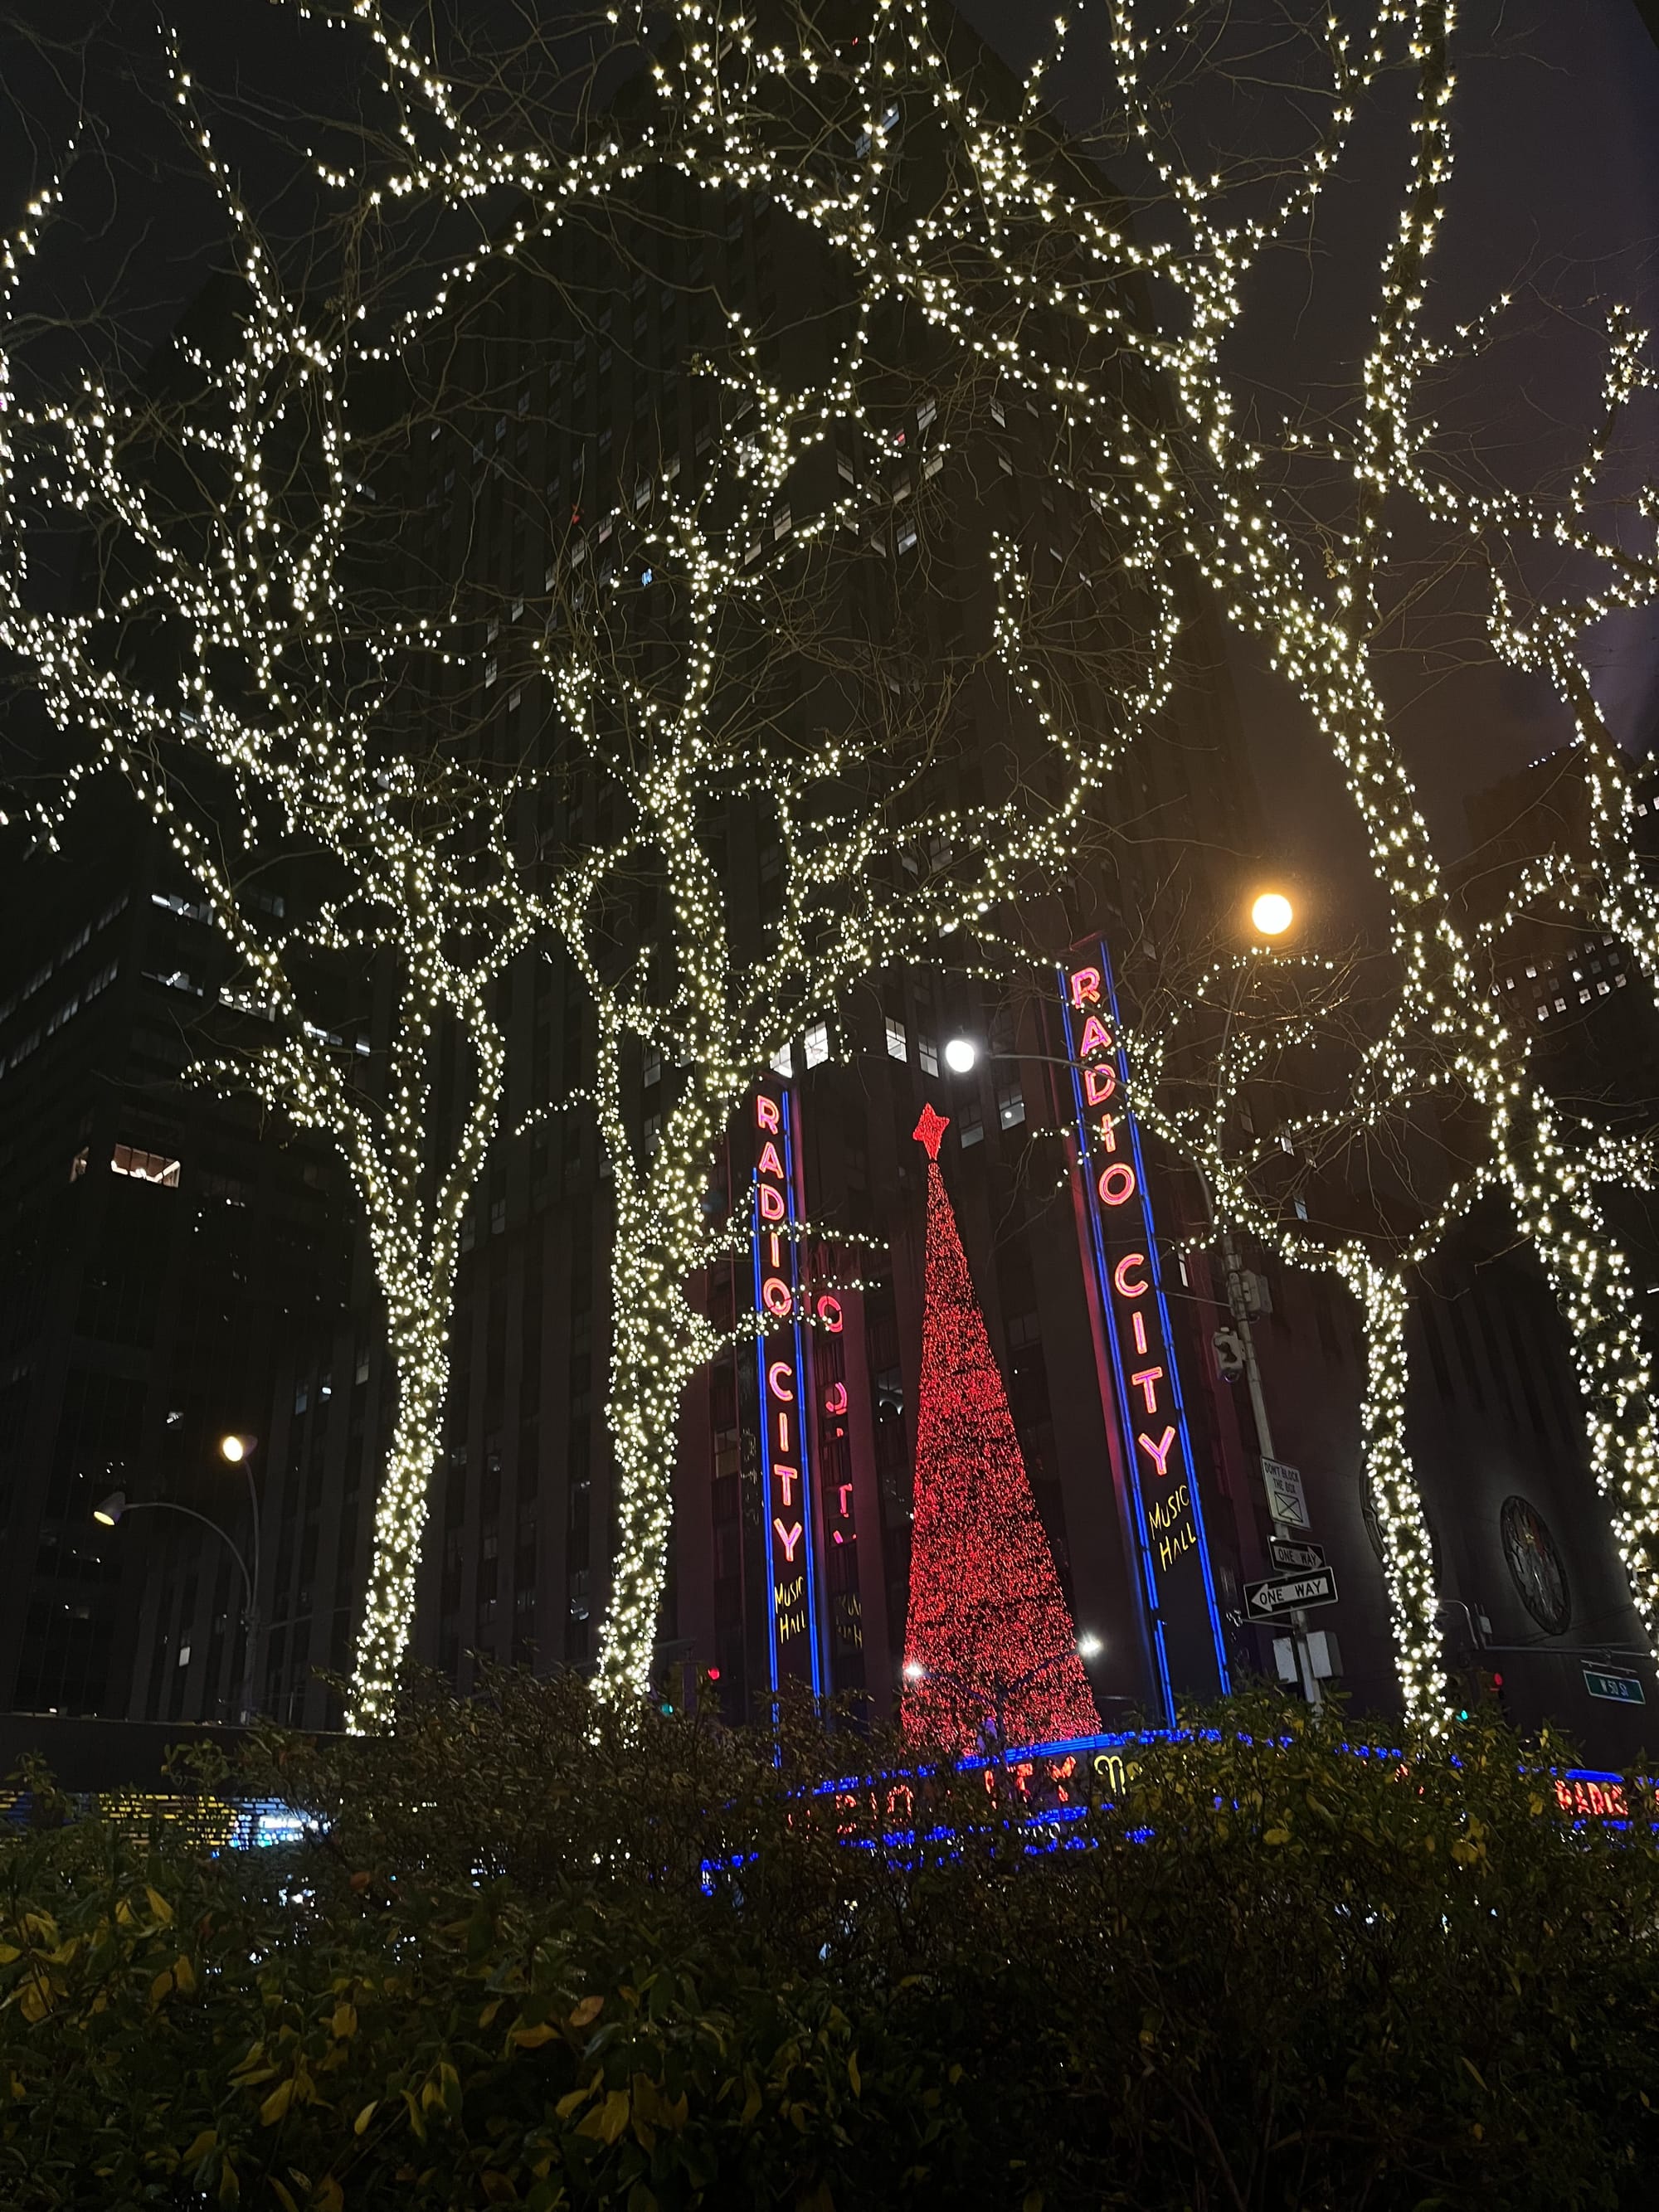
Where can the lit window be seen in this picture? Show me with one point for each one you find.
(1011, 1104)
(907, 536)
(183, 1655)
(817, 1044)
(783, 1062)
(970, 1130)
(78, 1165)
(897, 1045)
(925, 414)
(147, 1167)
(928, 1054)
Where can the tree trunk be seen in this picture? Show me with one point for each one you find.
(655, 1353)
(418, 1342)
(1407, 1555)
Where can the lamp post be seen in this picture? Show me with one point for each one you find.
(237, 1451)
(1271, 914)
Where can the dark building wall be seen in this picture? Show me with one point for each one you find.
(158, 1245)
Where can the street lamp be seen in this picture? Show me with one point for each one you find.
(1273, 913)
(960, 1055)
(109, 1510)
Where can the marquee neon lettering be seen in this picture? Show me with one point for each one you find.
(1098, 1084)
(1140, 1379)
(1117, 1184)
(1159, 1453)
(786, 1467)
(1146, 1381)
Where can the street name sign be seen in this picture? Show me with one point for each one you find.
(1286, 1592)
(1620, 1689)
(1291, 1558)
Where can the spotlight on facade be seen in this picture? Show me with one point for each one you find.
(1273, 913)
(236, 1449)
(1088, 1645)
(107, 1513)
(914, 1671)
(960, 1055)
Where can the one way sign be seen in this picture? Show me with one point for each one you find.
(1286, 1592)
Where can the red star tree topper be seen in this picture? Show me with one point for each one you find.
(989, 1637)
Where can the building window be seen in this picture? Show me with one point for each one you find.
(928, 1054)
(1011, 1104)
(146, 1167)
(817, 1041)
(898, 1044)
(783, 1061)
(970, 1129)
(78, 1165)
(1535, 1565)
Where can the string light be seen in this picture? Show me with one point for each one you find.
(1121, 343)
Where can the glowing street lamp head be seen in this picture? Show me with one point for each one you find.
(960, 1055)
(236, 1449)
(109, 1510)
(1273, 913)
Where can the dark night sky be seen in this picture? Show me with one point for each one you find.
(1557, 189)
(1555, 197)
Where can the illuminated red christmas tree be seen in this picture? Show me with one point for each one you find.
(988, 1641)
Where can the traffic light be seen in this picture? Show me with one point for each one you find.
(1229, 1354)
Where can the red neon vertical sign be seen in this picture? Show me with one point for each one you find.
(785, 1399)
(1188, 1650)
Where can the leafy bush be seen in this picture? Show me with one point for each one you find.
(539, 1956)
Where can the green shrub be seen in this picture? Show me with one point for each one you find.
(537, 1956)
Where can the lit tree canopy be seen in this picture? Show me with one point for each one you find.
(965, 233)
